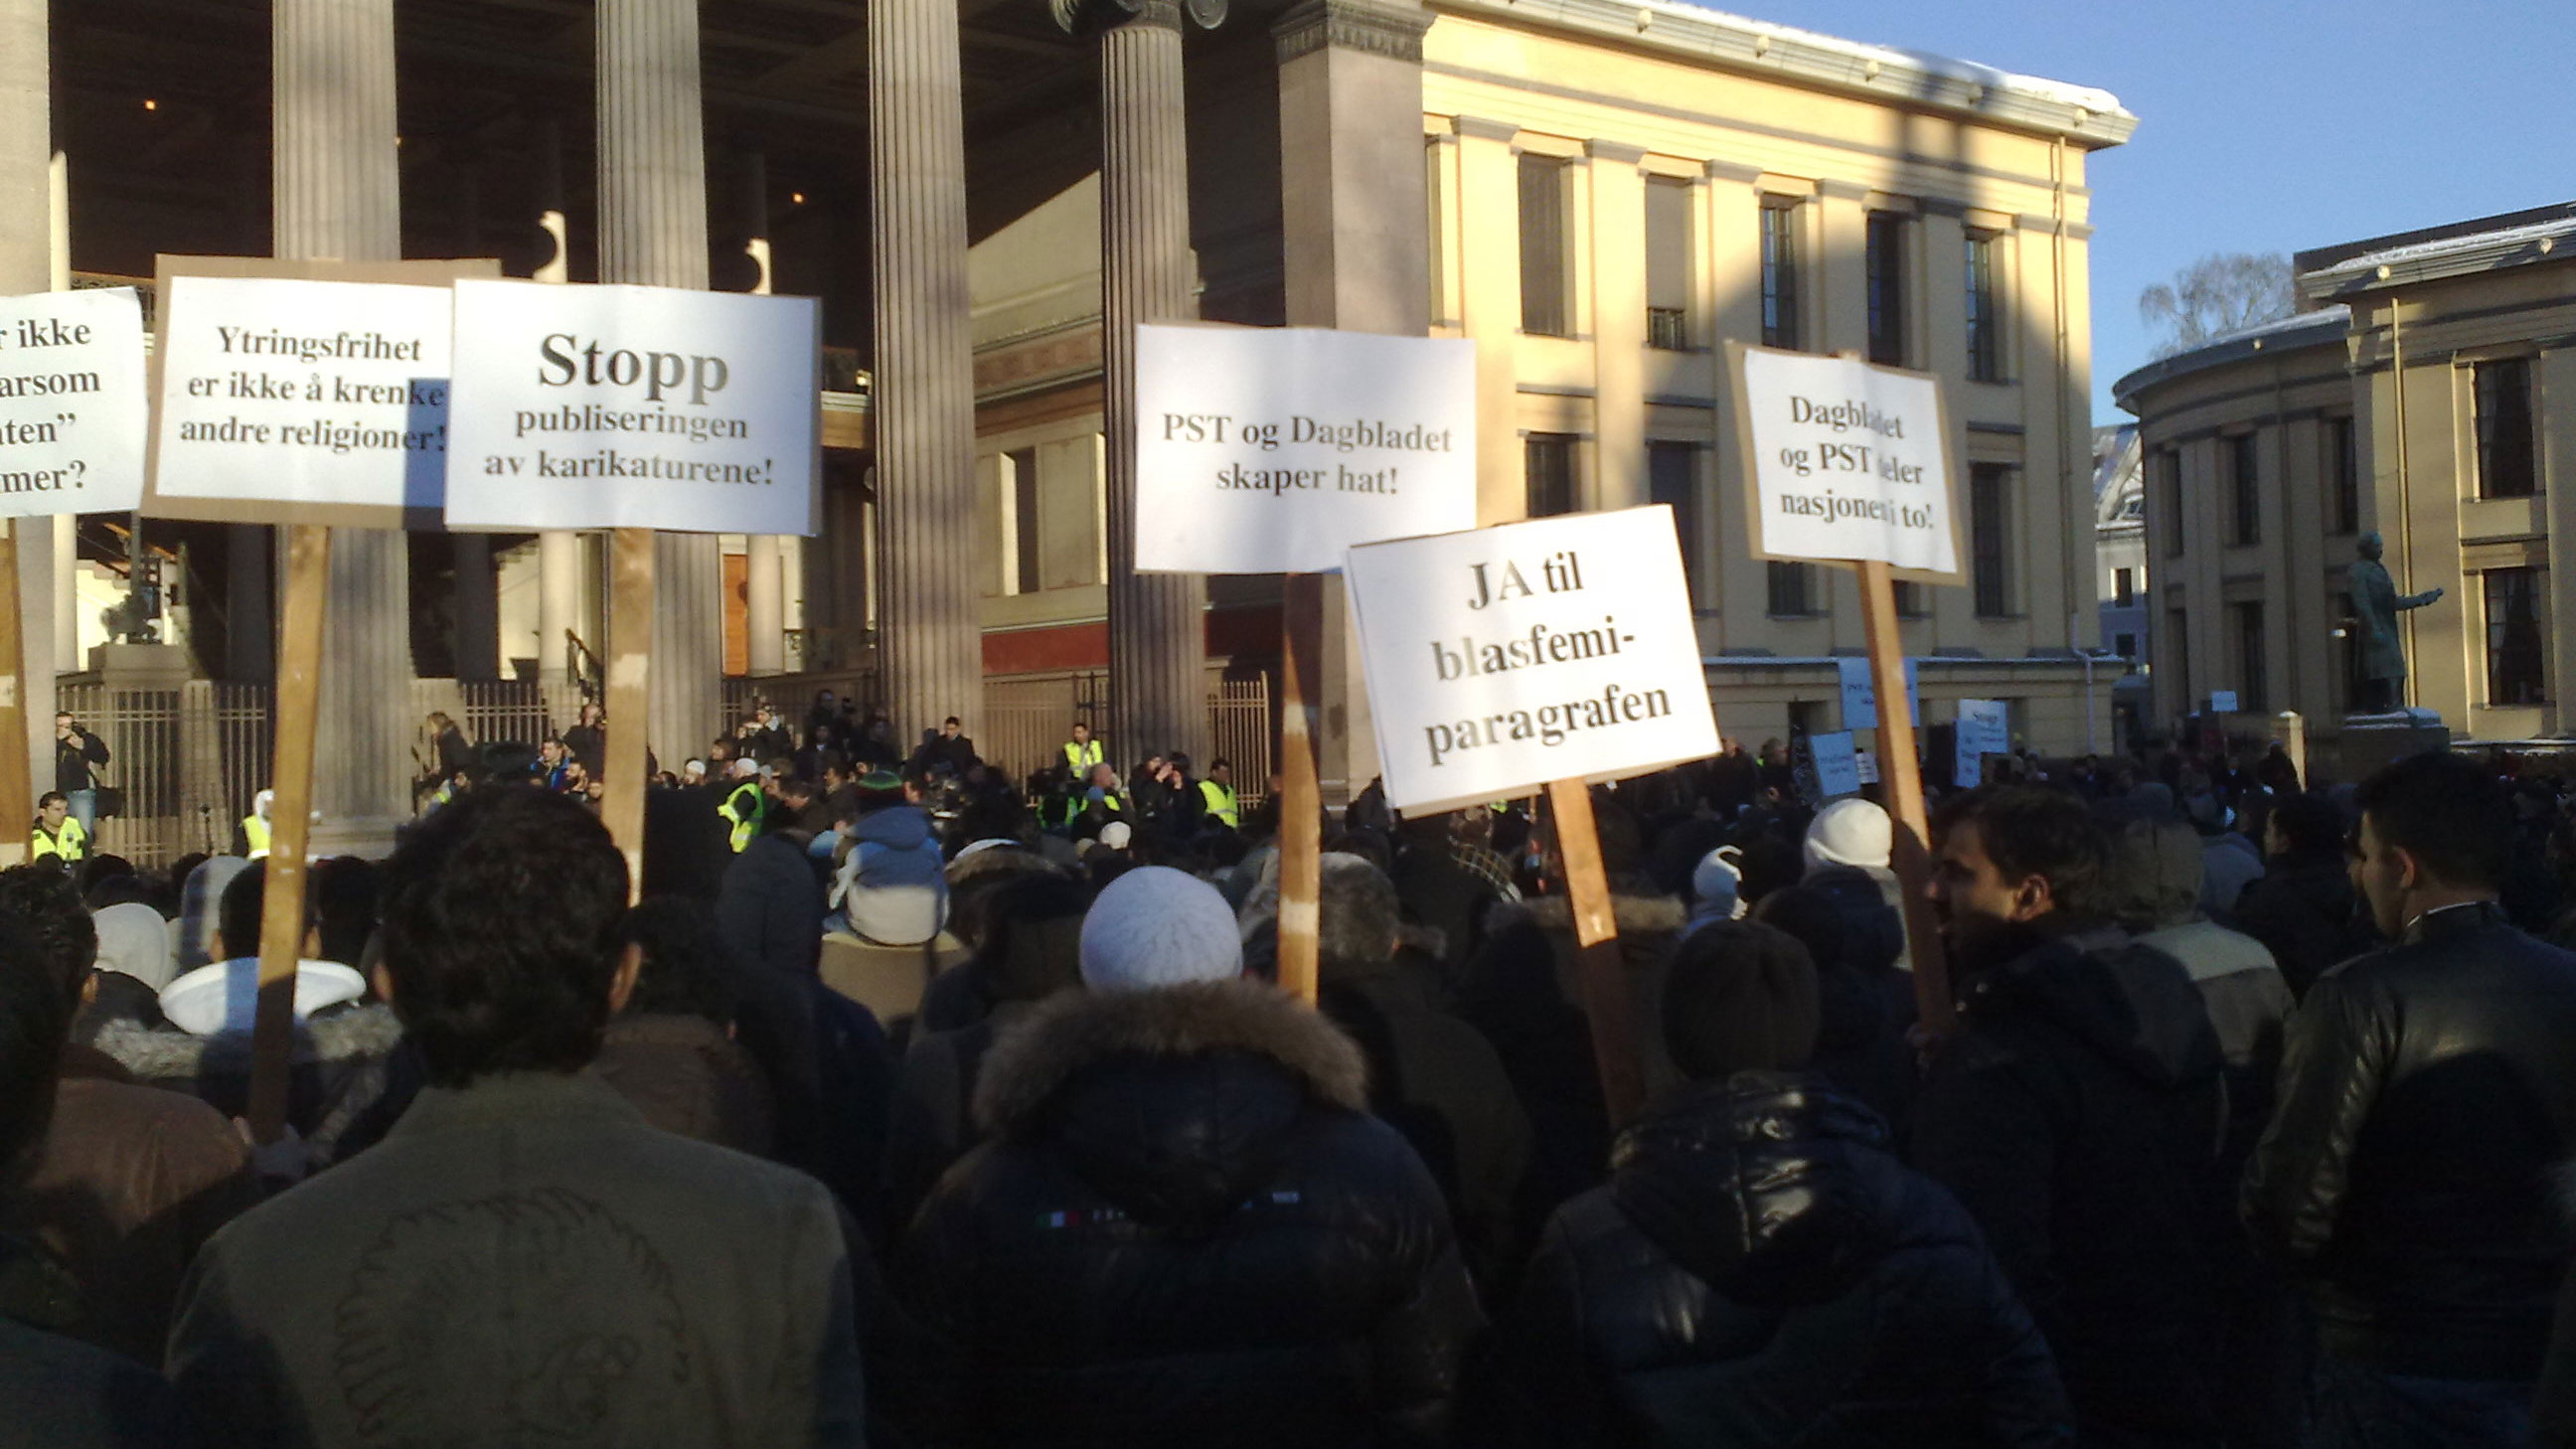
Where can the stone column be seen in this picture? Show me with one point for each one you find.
(653, 230)
(560, 568)
(931, 645)
(478, 608)
(1489, 306)
(764, 605)
(339, 196)
(1157, 622)
(250, 601)
(1356, 255)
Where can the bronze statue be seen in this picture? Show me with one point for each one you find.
(2375, 607)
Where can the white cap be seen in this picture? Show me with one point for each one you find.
(1718, 877)
(1115, 835)
(224, 997)
(1155, 926)
(1850, 832)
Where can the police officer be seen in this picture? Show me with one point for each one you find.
(1216, 794)
(58, 833)
(1082, 751)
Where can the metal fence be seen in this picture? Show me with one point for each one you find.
(187, 761)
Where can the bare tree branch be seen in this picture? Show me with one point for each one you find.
(2216, 295)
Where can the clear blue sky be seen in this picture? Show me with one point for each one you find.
(2267, 125)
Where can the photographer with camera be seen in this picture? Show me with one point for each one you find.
(77, 754)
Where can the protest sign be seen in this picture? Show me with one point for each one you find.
(286, 391)
(1837, 764)
(634, 407)
(1860, 692)
(1274, 449)
(1848, 461)
(2222, 701)
(1985, 728)
(1510, 657)
(1865, 765)
(73, 403)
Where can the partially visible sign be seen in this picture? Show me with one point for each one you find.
(635, 407)
(1848, 461)
(289, 392)
(1985, 728)
(1860, 692)
(73, 406)
(1505, 658)
(2222, 701)
(1865, 764)
(1276, 449)
(1837, 764)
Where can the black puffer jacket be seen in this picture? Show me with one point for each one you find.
(1761, 1271)
(2302, 910)
(2077, 1114)
(2426, 1094)
(1184, 1230)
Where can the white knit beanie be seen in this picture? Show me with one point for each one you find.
(1849, 832)
(1155, 926)
(1716, 883)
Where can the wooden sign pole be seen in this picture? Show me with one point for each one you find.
(281, 911)
(1901, 778)
(17, 797)
(1596, 933)
(630, 648)
(1301, 810)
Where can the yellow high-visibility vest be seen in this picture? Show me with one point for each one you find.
(746, 815)
(1221, 803)
(70, 845)
(1082, 757)
(255, 835)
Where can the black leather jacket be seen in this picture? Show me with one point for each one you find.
(2426, 1094)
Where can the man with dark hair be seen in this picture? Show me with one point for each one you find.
(58, 834)
(2304, 909)
(522, 1259)
(2076, 1112)
(2427, 1091)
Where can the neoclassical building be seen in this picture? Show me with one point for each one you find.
(2426, 393)
(986, 197)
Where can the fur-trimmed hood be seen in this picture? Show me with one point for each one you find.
(1172, 1102)
(166, 1054)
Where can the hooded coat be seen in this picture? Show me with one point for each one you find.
(1185, 1229)
(1762, 1271)
(893, 885)
(2077, 1114)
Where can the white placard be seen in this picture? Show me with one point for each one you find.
(634, 407)
(1984, 728)
(282, 391)
(1865, 764)
(1504, 658)
(1850, 461)
(1275, 449)
(1837, 764)
(1860, 692)
(2222, 701)
(72, 405)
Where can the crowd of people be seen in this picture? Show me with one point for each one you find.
(2247, 1131)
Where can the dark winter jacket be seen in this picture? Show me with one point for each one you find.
(2304, 912)
(1184, 1229)
(1762, 1271)
(1524, 992)
(1864, 1002)
(2077, 1114)
(770, 909)
(2427, 1091)
(1433, 1078)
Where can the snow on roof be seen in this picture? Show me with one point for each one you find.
(2091, 98)
(2503, 239)
(2326, 322)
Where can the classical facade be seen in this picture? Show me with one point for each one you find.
(985, 197)
(2427, 394)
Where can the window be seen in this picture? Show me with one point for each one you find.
(1913, 600)
(2343, 475)
(1435, 231)
(1672, 476)
(2249, 658)
(1780, 274)
(2124, 587)
(1985, 311)
(2506, 467)
(2169, 471)
(2517, 603)
(1806, 716)
(1668, 263)
(1990, 531)
(2125, 645)
(1025, 545)
(1885, 263)
(1789, 590)
(1547, 464)
(2176, 647)
(2244, 490)
(1546, 267)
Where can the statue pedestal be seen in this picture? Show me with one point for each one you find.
(2371, 742)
